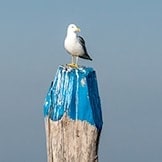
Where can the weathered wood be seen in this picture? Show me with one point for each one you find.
(71, 140)
(73, 117)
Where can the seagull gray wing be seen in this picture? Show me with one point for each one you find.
(82, 43)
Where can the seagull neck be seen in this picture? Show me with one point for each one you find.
(71, 34)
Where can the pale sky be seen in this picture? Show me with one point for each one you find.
(123, 38)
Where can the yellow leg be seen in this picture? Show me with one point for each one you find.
(74, 62)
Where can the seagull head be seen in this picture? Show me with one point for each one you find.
(73, 28)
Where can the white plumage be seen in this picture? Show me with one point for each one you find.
(75, 45)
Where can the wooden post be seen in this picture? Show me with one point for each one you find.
(73, 118)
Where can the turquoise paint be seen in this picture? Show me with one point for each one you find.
(74, 92)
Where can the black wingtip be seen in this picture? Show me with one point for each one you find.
(86, 56)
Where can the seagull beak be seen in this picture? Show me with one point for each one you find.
(78, 29)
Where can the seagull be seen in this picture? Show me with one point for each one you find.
(75, 45)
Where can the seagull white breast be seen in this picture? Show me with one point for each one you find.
(71, 43)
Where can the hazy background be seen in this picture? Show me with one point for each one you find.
(124, 38)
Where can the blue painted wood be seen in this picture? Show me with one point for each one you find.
(74, 92)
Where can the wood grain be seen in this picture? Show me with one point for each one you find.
(71, 140)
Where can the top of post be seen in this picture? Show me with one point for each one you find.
(74, 92)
